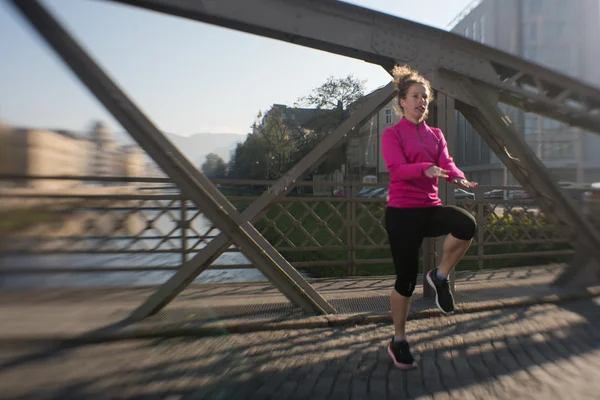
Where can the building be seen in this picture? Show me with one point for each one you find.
(364, 152)
(42, 152)
(39, 152)
(5, 152)
(105, 160)
(132, 161)
(559, 35)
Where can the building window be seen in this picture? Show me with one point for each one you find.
(388, 116)
(467, 32)
(475, 30)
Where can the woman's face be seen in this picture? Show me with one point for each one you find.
(416, 102)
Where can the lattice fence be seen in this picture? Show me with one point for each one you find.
(158, 229)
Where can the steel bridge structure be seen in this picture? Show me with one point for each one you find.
(467, 76)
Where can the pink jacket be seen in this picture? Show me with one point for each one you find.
(408, 150)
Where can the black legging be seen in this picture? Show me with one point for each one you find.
(406, 228)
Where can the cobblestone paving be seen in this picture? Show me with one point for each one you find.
(539, 352)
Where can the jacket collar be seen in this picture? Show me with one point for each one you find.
(406, 123)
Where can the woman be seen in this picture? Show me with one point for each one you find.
(416, 156)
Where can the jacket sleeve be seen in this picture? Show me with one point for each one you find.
(445, 161)
(396, 162)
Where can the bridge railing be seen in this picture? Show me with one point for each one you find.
(146, 224)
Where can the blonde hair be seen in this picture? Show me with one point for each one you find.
(404, 77)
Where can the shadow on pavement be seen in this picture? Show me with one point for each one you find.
(533, 346)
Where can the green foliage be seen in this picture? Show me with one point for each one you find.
(15, 221)
(282, 136)
(341, 96)
(214, 166)
(518, 229)
(249, 160)
(298, 226)
(279, 142)
(335, 93)
(301, 225)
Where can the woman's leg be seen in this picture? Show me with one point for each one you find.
(405, 240)
(399, 305)
(454, 250)
(459, 226)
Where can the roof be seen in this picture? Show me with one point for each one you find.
(300, 116)
(308, 117)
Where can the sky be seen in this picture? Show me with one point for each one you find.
(188, 77)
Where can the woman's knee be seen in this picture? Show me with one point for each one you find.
(465, 226)
(406, 264)
(459, 222)
(405, 286)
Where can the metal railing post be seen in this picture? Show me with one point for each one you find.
(183, 226)
(481, 220)
(351, 231)
(428, 249)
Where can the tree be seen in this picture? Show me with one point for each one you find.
(250, 159)
(268, 152)
(214, 166)
(341, 95)
(279, 140)
(282, 136)
(336, 94)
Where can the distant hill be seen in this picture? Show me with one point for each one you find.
(197, 146)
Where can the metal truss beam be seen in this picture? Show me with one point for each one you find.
(534, 177)
(190, 180)
(357, 32)
(188, 272)
(445, 119)
(348, 30)
(352, 31)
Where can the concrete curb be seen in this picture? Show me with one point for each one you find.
(140, 332)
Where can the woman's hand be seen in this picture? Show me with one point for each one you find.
(436, 172)
(465, 184)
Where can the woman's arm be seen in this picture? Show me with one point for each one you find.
(446, 162)
(395, 160)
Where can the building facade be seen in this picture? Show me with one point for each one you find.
(132, 161)
(364, 153)
(105, 159)
(559, 35)
(39, 152)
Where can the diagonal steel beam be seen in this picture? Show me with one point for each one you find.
(192, 269)
(534, 177)
(189, 179)
(357, 32)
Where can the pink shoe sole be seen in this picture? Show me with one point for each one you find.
(405, 367)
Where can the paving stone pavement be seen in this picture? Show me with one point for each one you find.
(537, 352)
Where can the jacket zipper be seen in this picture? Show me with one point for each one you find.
(421, 139)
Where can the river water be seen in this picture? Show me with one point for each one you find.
(165, 224)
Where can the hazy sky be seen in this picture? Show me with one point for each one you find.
(187, 76)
